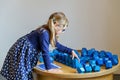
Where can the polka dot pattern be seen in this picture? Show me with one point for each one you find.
(20, 60)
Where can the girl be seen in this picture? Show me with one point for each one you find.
(23, 55)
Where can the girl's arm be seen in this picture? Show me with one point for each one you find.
(44, 47)
(65, 49)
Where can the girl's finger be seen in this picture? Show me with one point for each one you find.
(72, 56)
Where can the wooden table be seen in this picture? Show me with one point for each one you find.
(71, 74)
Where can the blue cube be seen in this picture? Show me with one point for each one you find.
(96, 68)
(80, 68)
(76, 63)
(108, 64)
(102, 54)
(114, 60)
(91, 51)
(84, 52)
(95, 57)
(108, 54)
(100, 62)
(105, 60)
(88, 68)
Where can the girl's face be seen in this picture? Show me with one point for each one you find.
(59, 28)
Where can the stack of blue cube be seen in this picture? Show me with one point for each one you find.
(90, 60)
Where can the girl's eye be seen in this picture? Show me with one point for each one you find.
(63, 30)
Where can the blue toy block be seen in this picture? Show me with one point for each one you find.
(51, 59)
(83, 60)
(90, 60)
(41, 59)
(80, 69)
(96, 68)
(96, 53)
(115, 56)
(76, 63)
(84, 52)
(92, 63)
(88, 68)
(108, 54)
(66, 58)
(73, 63)
(105, 59)
(102, 54)
(91, 51)
(57, 58)
(108, 64)
(55, 51)
(114, 60)
(95, 57)
(100, 62)
(63, 58)
(70, 61)
(60, 58)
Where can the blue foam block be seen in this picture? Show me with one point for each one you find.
(70, 61)
(95, 57)
(84, 52)
(92, 63)
(114, 59)
(108, 54)
(88, 68)
(102, 54)
(66, 58)
(100, 62)
(108, 64)
(41, 59)
(58, 57)
(96, 53)
(96, 68)
(91, 51)
(80, 68)
(83, 60)
(76, 63)
(105, 59)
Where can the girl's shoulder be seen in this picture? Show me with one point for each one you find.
(42, 30)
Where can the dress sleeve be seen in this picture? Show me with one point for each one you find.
(62, 48)
(44, 45)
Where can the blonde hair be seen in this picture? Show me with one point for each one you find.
(56, 17)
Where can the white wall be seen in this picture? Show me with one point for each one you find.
(93, 23)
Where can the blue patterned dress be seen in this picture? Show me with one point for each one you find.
(23, 55)
(19, 61)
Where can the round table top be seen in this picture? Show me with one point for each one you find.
(69, 72)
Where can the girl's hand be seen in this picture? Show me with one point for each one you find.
(55, 71)
(75, 55)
